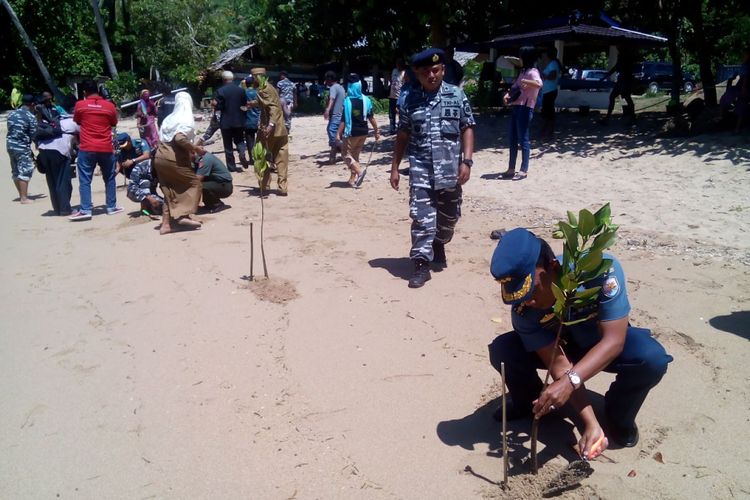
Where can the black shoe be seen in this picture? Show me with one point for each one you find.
(439, 261)
(421, 274)
(627, 437)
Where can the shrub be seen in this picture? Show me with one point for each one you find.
(124, 87)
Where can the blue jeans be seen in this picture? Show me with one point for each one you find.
(520, 120)
(87, 161)
(333, 128)
(639, 367)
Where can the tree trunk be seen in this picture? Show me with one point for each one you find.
(103, 37)
(673, 21)
(695, 15)
(37, 58)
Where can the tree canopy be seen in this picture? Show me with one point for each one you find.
(179, 38)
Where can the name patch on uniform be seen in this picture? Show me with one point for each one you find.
(611, 287)
(450, 106)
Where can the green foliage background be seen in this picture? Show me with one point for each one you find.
(180, 37)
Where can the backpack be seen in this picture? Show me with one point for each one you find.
(48, 129)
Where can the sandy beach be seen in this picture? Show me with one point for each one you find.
(134, 365)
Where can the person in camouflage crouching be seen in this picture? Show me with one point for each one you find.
(436, 130)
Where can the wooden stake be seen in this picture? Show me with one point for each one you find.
(252, 251)
(505, 430)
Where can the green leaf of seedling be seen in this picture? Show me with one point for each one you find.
(259, 160)
(558, 235)
(572, 219)
(559, 295)
(603, 215)
(558, 310)
(588, 293)
(580, 320)
(568, 282)
(586, 222)
(590, 261)
(571, 236)
(604, 240)
(603, 268)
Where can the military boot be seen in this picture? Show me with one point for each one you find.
(439, 262)
(421, 274)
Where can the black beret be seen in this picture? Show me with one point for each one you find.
(428, 57)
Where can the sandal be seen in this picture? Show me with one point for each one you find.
(520, 176)
(360, 178)
(188, 222)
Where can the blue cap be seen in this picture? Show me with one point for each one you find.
(514, 264)
(428, 57)
(122, 138)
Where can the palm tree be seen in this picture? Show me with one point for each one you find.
(30, 45)
(103, 37)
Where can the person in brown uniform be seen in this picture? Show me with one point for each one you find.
(173, 165)
(272, 131)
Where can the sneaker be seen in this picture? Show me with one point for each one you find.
(78, 215)
(116, 210)
(439, 262)
(421, 274)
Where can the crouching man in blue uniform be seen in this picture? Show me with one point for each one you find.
(526, 267)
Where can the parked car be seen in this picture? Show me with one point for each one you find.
(656, 76)
(593, 74)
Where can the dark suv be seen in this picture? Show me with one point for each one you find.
(656, 76)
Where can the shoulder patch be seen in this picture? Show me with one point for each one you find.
(611, 287)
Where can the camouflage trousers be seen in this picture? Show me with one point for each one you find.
(434, 214)
(21, 164)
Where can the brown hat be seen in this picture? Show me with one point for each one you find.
(258, 71)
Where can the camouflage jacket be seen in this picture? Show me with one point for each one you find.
(22, 127)
(434, 123)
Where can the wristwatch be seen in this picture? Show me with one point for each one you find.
(468, 162)
(574, 378)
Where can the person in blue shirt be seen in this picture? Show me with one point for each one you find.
(551, 72)
(252, 115)
(526, 268)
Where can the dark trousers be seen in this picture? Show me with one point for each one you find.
(250, 134)
(214, 191)
(57, 166)
(548, 105)
(392, 105)
(232, 137)
(639, 367)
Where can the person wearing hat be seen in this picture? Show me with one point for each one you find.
(526, 268)
(130, 153)
(231, 101)
(22, 127)
(436, 131)
(272, 130)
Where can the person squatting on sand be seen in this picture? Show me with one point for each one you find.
(436, 129)
(526, 268)
(357, 112)
(174, 166)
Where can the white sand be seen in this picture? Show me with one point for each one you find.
(135, 365)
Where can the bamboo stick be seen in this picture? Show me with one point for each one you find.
(505, 429)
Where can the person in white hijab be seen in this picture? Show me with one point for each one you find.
(181, 187)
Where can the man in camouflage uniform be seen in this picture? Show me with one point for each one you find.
(288, 95)
(437, 127)
(22, 127)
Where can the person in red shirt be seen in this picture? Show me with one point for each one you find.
(96, 117)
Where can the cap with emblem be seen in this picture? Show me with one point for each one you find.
(122, 138)
(428, 57)
(514, 264)
(27, 99)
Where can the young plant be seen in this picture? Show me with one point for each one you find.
(585, 237)
(261, 166)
